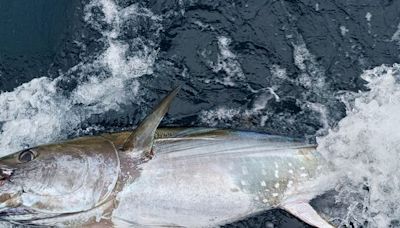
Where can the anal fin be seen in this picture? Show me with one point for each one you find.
(305, 212)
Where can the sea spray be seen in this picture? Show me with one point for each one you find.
(364, 148)
(40, 111)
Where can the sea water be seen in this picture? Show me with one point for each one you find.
(363, 147)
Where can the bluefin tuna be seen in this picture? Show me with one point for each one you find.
(159, 177)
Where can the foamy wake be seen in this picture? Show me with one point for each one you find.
(38, 112)
(311, 76)
(227, 61)
(365, 150)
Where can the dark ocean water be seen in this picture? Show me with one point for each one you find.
(272, 66)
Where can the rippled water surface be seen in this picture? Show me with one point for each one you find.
(322, 70)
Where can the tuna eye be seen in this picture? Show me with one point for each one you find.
(26, 156)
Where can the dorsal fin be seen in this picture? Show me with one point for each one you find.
(141, 139)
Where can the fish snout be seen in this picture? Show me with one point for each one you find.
(5, 174)
(9, 192)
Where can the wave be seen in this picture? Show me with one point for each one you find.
(40, 111)
(364, 148)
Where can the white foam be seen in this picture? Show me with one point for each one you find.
(279, 72)
(343, 30)
(223, 114)
(261, 101)
(312, 73)
(396, 35)
(37, 112)
(311, 76)
(364, 149)
(32, 112)
(182, 7)
(110, 10)
(368, 16)
(203, 26)
(227, 62)
(273, 93)
(226, 115)
(214, 116)
(323, 111)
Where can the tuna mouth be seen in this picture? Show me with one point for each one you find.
(5, 175)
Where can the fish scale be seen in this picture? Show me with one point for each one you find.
(229, 174)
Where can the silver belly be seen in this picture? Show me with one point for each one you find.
(203, 182)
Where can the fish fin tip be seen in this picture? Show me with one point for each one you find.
(305, 212)
(142, 137)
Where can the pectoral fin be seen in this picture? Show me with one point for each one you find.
(141, 139)
(305, 212)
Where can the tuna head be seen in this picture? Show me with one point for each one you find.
(54, 179)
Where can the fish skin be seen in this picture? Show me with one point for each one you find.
(82, 172)
(229, 169)
(211, 180)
